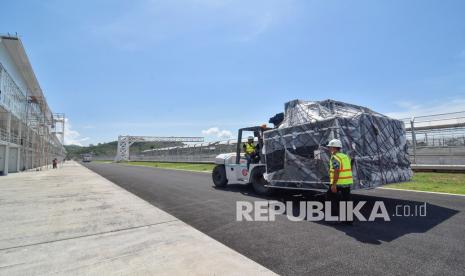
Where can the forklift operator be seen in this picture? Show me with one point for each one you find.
(250, 151)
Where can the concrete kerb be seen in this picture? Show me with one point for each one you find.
(417, 191)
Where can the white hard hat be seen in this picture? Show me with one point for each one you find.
(335, 143)
(250, 138)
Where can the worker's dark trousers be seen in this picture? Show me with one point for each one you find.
(249, 160)
(343, 194)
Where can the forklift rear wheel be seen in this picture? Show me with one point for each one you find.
(219, 176)
(258, 182)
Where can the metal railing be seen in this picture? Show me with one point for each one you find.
(4, 136)
(9, 137)
(203, 152)
(437, 139)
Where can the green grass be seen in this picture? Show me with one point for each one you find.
(453, 183)
(176, 166)
(102, 161)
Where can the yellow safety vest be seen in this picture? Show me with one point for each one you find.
(345, 169)
(249, 148)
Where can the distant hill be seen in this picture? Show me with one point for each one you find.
(108, 150)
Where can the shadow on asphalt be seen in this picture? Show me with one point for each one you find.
(372, 232)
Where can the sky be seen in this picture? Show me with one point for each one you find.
(207, 68)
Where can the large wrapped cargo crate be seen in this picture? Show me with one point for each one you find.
(296, 155)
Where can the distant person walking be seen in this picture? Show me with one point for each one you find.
(55, 163)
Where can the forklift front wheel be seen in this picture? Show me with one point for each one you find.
(258, 182)
(219, 176)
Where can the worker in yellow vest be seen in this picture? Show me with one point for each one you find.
(249, 150)
(340, 175)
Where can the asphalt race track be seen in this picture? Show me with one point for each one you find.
(429, 245)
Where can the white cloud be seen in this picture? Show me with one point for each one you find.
(150, 22)
(216, 132)
(261, 25)
(73, 137)
(410, 109)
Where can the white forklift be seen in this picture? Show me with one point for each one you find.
(232, 167)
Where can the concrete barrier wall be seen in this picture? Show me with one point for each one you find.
(429, 156)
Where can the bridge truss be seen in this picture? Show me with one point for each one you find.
(125, 142)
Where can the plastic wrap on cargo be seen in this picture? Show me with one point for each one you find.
(296, 153)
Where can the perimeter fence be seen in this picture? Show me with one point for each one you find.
(432, 140)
